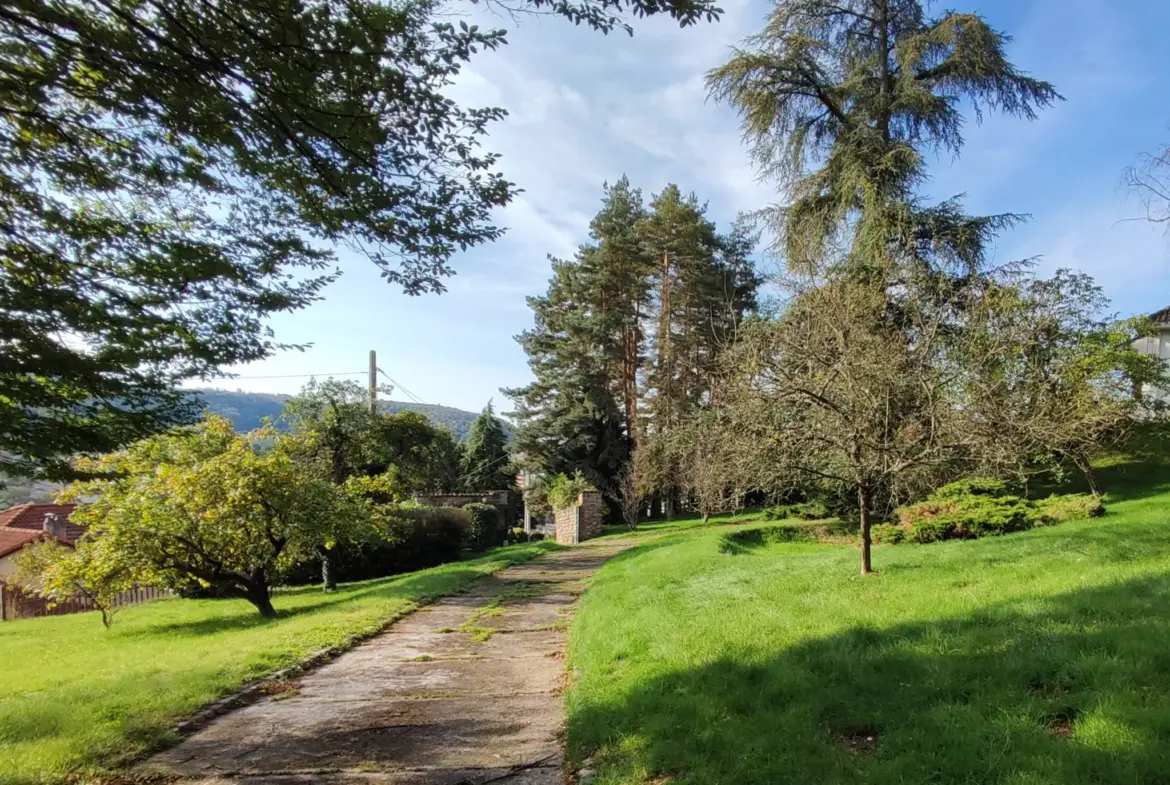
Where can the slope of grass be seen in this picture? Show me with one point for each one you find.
(75, 697)
(1039, 657)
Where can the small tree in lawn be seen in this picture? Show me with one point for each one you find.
(208, 507)
(59, 572)
(486, 464)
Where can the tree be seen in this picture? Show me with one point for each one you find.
(339, 439)
(349, 441)
(568, 419)
(1065, 381)
(841, 102)
(207, 507)
(702, 284)
(1149, 179)
(486, 463)
(625, 337)
(61, 572)
(175, 171)
(834, 396)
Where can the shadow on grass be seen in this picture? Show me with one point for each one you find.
(1071, 690)
(420, 586)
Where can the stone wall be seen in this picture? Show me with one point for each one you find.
(582, 521)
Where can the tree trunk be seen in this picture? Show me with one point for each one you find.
(631, 339)
(1090, 477)
(863, 507)
(328, 577)
(668, 505)
(257, 594)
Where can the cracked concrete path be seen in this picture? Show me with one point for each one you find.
(463, 692)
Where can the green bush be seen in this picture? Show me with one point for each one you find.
(887, 533)
(981, 507)
(814, 510)
(412, 538)
(972, 486)
(964, 517)
(1059, 508)
(563, 490)
(484, 530)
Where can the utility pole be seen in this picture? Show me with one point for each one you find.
(373, 383)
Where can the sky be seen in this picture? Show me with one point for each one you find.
(586, 108)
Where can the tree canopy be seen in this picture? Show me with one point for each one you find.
(175, 172)
(625, 338)
(205, 508)
(486, 465)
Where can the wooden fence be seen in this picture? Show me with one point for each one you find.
(16, 604)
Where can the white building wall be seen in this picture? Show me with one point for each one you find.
(1156, 346)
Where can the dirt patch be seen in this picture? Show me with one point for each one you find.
(1061, 722)
(862, 740)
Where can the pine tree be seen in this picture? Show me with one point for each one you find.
(701, 285)
(568, 419)
(595, 349)
(842, 101)
(486, 464)
(617, 268)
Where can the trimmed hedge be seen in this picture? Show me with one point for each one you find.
(484, 530)
(416, 538)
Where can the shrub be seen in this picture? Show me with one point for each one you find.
(535, 536)
(981, 507)
(410, 538)
(964, 517)
(887, 533)
(814, 510)
(484, 530)
(972, 486)
(1059, 508)
(835, 532)
(563, 490)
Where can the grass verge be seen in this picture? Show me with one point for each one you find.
(1037, 657)
(78, 699)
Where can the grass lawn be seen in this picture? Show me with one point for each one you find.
(75, 697)
(1038, 657)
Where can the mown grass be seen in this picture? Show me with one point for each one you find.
(76, 698)
(684, 524)
(1038, 657)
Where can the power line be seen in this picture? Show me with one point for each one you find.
(400, 387)
(301, 375)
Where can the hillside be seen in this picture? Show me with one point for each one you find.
(247, 409)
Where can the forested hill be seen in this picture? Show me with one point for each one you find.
(247, 409)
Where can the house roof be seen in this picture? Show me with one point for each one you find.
(1162, 316)
(12, 540)
(32, 517)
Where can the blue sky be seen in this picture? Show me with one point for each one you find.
(586, 108)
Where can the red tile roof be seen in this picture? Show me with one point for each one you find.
(12, 540)
(32, 517)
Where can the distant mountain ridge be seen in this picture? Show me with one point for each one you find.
(246, 409)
